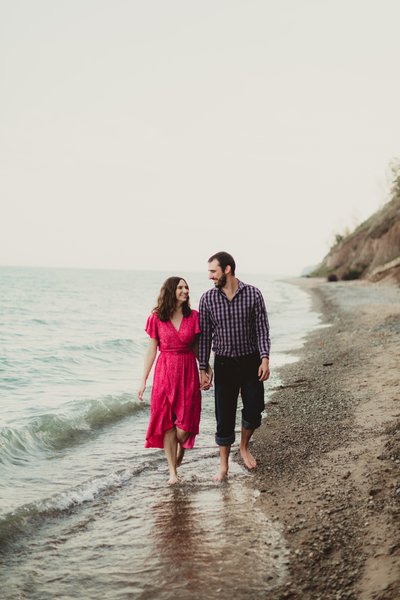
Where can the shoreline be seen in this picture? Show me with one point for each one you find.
(328, 450)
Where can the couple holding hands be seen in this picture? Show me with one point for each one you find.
(233, 321)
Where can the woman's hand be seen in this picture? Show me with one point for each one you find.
(149, 358)
(141, 391)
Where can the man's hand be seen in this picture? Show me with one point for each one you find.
(206, 378)
(263, 370)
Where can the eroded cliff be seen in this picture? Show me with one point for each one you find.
(372, 251)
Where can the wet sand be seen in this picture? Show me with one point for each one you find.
(329, 450)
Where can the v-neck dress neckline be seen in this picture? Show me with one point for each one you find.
(180, 325)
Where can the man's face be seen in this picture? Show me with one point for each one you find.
(216, 274)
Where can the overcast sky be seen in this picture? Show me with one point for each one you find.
(150, 134)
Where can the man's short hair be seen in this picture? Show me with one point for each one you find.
(225, 260)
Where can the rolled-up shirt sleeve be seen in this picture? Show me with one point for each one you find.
(206, 334)
(262, 327)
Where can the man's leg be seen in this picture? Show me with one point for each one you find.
(246, 455)
(226, 391)
(252, 391)
(222, 472)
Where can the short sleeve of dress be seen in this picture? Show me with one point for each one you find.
(151, 327)
(196, 322)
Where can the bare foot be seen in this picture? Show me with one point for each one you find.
(172, 479)
(179, 455)
(248, 459)
(222, 475)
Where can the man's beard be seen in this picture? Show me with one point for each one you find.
(221, 281)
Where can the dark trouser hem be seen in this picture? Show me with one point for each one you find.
(234, 376)
(248, 425)
(226, 441)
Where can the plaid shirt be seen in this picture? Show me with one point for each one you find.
(233, 327)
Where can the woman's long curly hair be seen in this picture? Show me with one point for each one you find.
(166, 303)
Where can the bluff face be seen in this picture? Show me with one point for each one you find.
(372, 251)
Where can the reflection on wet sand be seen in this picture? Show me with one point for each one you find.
(179, 541)
(212, 541)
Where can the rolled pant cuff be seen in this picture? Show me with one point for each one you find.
(248, 425)
(226, 441)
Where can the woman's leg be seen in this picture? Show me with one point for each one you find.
(170, 448)
(182, 436)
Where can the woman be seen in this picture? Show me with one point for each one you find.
(175, 408)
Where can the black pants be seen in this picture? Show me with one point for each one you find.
(234, 375)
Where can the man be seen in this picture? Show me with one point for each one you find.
(234, 322)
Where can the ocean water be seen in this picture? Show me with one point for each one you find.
(85, 511)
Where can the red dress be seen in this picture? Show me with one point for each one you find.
(175, 396)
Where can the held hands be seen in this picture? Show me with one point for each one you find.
(206, 378)
(263, 370)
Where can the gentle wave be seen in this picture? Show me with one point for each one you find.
(121, 344)
(25, 518)
(54, 432)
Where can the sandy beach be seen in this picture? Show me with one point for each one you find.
(329, 450)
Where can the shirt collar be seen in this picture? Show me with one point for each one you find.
(240, 287)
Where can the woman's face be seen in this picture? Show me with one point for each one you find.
(182, 292)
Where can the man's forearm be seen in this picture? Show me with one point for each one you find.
(204, 352)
